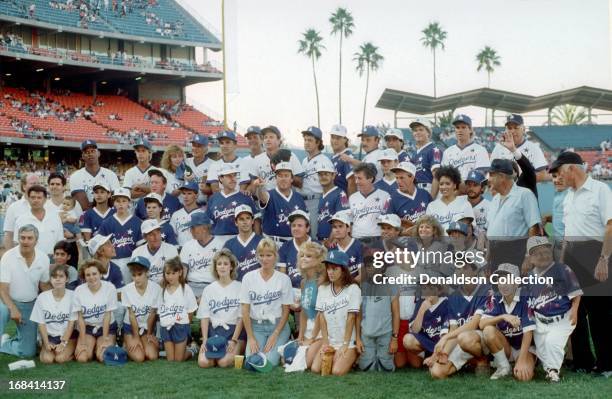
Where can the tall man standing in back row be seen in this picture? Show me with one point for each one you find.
(466, 154)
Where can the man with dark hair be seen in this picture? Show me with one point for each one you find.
(17, 209)
(136, 178)
(57, 185)
(170, 203)
(344, 169)
(368, 203)
(47, 222)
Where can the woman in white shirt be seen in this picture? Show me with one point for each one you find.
(449, 206)
(266, 295)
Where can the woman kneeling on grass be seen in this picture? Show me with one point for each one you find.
(53, 313)
(176, 306)
(95, 302)
(140, 298)
(338, 303)
(219, 314)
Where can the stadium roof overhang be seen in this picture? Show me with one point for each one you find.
(585, 96)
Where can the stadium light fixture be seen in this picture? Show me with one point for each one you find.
(7, 74)
(40, 69)
(138, 78)
(103, 83)
(57, 78)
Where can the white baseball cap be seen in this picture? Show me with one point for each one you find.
(338, 130)
(508, 268)
(326, 166)
(388, 154)
(96, 243)
(391, 219)
(149, 225)
(227, 169)
(406, 167)
(122, 192)
(393, 132)
(241, 209)
(421, 121)
(283, 166)
(101, 184)
(299, 213)
(154, 197)
(344, 216)
(536, 241)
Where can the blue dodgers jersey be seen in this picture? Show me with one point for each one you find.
(424, 159)
(344, 170)
(220, 210)
(125, 237)
(403, 156)
(245, 254)
(287, 257)
(167, 233)
(355, 255)
(408, 208)
(170, 204)
(461, 308)
(385, 186)
(554, 299)
(495, 306)
(333, 201)
(91, 220)
(276, 213)
(113, 276)
(435, 322)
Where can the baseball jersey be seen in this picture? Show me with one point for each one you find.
(180, 224)
(426, 159)
(435, 319)
(113, 275)
(55, 315)
(480, 215)
(92, 219)
(200, 171)
(83, 181)
(310, 182)
(50, 229)
(335, 307)
(141, 305)
(170, 204)
(197, 258)
(94, 306)
(530, 149)
(213, 170)
(355, 254)
(174, 308)
(260, 167)
(275, 213)
(409, 207)
(266, 298)
(157, 259)
(386, 185)
(457, 209)
(462, 307)
(496, 306)
(126, 234)
(403, 156)
(220, 304)
(287, 258)
(167, 233)
(330, 202)
(344, 170)
(135, 175)
(472, 156)
(366, 210)
(245, 253)
(220, 210)
(172, 181)
(554, 300)
(372, 157)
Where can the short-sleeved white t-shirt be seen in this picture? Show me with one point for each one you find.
(55, 315)
(94, 305)
(266, 298)
(141, 305)
(336, 308)
(174, 308)
(220, 304)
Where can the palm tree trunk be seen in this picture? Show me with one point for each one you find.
(340, 83)
(314, 75)
(434, 82)
(365, 100)
(488, 86)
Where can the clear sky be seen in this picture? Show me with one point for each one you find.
(545, 46)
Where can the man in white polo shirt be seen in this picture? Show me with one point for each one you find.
(466, 154)
(24, 271)
(368, 203)
(17, 208)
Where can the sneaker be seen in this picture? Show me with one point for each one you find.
(552, 375)
(501, 372)
(4, 338)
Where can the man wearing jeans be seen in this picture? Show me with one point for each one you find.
(24, 270)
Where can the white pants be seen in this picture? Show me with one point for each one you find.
(550, 340)
(312, 205)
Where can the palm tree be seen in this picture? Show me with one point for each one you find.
(342, 24)
(367, 60)
(433, 38)
(311, 46)
(488, 59)
(568, 115)
(446, 120)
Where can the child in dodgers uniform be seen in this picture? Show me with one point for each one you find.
(341, 240)
(93, 218)
(154, 250)
(181, 218)
(244, 245)
(333, 199)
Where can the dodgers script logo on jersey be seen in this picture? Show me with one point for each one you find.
(197, 263)
(58, 318)
(173, 310)
(267, 298)
(140, 311)
(333, 307)
(552, 299)
(362, 212)
(223, 305)
(462, 307)
(94, 312)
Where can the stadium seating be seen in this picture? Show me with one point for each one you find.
(579, 137)
(593, 157)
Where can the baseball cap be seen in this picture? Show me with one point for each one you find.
(153, 197)
(536, 241)
(391, 219)
(142, 142)
(216, 347)
(476, 176)
(157, 172)
(140, 260)
(199, 139)
(253, 130)
(338, 130)
(344, 216)
(227, 169)
(283, 166)
(149, 225)
(458, 226)
(514, 118)
(508, 268)
(501, 166)
(115, 356)
(259, 362)
(314, 131)
(102, 185)
(421, 121)
(241, 209)
(192, 186)
(370, 131)
(272, 129)
(122, 192)
(227, 134)
(96, 243)
(199, 219)
(393, 132)
(406, 167)
(289, 351)
(566, 158)
(326, 166)
(297, 214)
(88, 143)
(388, 154)
(462, 118)
(336, 257)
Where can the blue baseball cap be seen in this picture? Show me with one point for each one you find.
(289, 351)
(501, 166)
(216, 347)
(336, 257)
(193, 186)
(476, 176)
(115, 356)
(253, 129)
(462, 118)
(88, 143)
(259, 362)
(514, 118)
(227, 134)
(199, 219)
(370, 131)
(458, 226)
(199, 139)
(142, 142)
(272, 129)
(313, 131)
(140, 260)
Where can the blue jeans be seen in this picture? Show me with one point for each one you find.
(262, 332)
(24, 343)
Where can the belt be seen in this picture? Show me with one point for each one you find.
(550, 320)
(278, 238)
(311, 197)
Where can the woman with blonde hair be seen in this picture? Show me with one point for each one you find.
(431, 241)
(173, 167)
